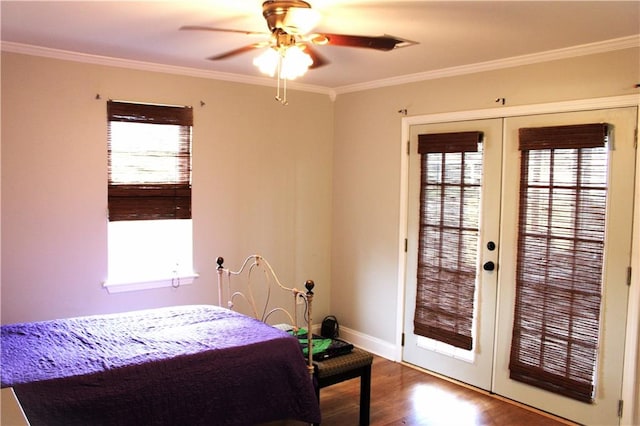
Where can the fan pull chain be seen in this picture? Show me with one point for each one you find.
(278, 78)
(283, 99)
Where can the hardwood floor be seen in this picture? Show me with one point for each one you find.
(402, 395)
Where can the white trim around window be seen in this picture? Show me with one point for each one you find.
(151, 283)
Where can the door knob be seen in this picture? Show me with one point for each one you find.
(489, 266)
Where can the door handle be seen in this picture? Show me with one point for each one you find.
(489, 266)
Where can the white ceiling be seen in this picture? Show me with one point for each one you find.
(451, 34)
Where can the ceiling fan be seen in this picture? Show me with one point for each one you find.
(290, 23)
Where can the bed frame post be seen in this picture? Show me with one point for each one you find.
(220, 261)
(309, 285)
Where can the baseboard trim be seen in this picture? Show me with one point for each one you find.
(369, 343)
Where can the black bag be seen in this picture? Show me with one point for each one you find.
(330, 328)
(336, 348)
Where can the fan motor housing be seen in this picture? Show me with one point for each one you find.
(275, 11)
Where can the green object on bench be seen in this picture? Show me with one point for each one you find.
(319, 344)
(323, 347)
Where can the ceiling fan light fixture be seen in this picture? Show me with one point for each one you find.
(285, 63)
(292, 62)
(267, 61)
(295, 63)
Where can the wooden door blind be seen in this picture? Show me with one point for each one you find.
(149, 156)
(451, 171)
(561, 230)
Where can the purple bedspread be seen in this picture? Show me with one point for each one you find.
(187, 365)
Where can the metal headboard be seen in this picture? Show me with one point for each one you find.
(254, 264)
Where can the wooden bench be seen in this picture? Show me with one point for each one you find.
(357, 363)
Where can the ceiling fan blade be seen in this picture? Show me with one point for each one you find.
(224, 30)
(238, 51)
(384, 43)
(318, 60)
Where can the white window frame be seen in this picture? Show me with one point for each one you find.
(145, 253)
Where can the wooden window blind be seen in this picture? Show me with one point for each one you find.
(451, 171)
(149, 156)
(563, 196)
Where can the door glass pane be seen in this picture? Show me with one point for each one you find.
(559, 270)
(448, 246)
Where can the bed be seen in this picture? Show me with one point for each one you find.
(181, 365)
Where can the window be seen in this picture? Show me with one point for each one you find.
(563, 201)
(149, 195)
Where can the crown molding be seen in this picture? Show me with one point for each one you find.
(551, 55)
(67, 55)
(608, 102)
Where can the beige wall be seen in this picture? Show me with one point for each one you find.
(261, 184)
(367, 161)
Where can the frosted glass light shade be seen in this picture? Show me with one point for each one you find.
(293, 62)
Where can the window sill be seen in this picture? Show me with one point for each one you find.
(120, 286)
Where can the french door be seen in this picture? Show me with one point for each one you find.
(470, 366)
(475, 222)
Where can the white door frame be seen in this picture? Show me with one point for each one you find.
(633, 319)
